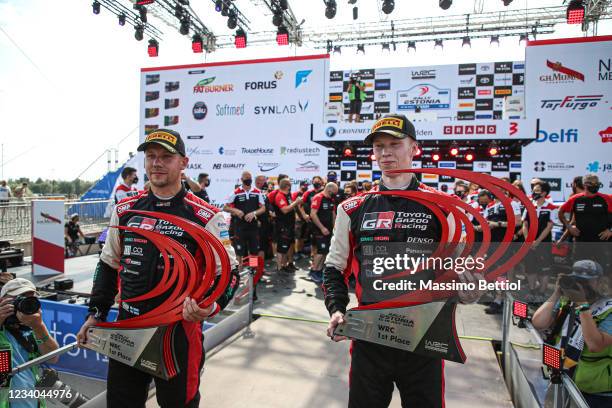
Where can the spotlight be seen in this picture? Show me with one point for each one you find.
(225, 9)
(143, 13)
(493, 149)
(355, 13)
(348, 150)
(184, 28)
(445, 4)
(282, 36)
(494, 40)
(388, 6)
(454, 149)
(139, 33)
(218, 5)
(232, 20)
(329, 46)
(284, 4)
(196, 44)
(153, 48)
(411, 46)
(435, 157)
(337, 49)
(240, 39)
(438, 43)
(178, 11)
(469, 157)
(385, 47)
(330, 9)
(361, 49)
(96, 7)
(523, 39)
(467, 42)
(122, 19)
(277, 18)
(507, 2)
(552, 357)
(575, 12)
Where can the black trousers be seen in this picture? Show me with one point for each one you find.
(375, 368)
(128, 387)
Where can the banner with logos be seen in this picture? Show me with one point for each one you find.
(235, 116)
(569, 84)
(449, 92)
(47, 237)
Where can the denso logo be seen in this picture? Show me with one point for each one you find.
(378, 220)
(562, 136)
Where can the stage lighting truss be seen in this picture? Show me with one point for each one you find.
(132, 16)
(280, 14)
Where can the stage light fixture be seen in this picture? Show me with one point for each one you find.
(469, 157)
(435, 157)
(575, 12)
(551, 357)
(6, 362)
(385, 47)
(95, 7)
(348, 151)
(218, 5)
(284, 4)
(494, 40)
(355, 13)
(232, 20)
(467, 42)
(454, 150)
(523, 39)
(412, 46)
(388, 6)
(507, 2)
(121, 19)
(445, 4)
(282, 36)
(196, 44)
(493, 149)
(240, 39)
(520, 309)
(329, 46)
(184, 28)
(139, 33)
(330, 9)
(277, 18)
(361, 49)
(439, 43)
(153, 48)
(337, 49)
(143, 13)
(225, 9)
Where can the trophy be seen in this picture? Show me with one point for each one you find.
(145, 341)
(422, 319)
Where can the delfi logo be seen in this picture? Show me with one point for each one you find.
(563, 136)
(301, 77)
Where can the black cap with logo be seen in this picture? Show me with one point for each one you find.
(395, 125)
(169, 139)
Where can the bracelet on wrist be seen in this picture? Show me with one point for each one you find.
(583, 307)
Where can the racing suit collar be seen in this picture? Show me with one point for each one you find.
(169, 202)
(414, 185)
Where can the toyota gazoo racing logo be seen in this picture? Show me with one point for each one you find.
(412, 220)
(581, 102)
(378, 220)
(144, 223)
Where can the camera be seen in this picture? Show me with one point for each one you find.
(26, 304)
(353, 80)
(69, 397)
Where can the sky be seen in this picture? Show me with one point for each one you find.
(69, 79)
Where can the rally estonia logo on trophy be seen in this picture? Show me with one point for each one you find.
(145, 341)
(421, 316)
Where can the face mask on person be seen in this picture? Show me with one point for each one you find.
(460, 193)
(247, 182)
(316, 185)
(135, 181)
(536, 196)
(207, 183)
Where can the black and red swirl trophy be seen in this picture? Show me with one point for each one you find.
(145, 341)
(423, 320)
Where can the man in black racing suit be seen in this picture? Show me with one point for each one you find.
(380, 218)
(138, 265)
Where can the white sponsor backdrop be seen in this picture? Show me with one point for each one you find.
(252, 115)
(569, 89)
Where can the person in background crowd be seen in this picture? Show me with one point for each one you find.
(127, 188)
(367, 186)
(285, 225)
(246, 204)
(265, 225)
(301, 220)
(317, 187)
(23, 192)
(272, 210)
(444, 188)
(589, 301)
(461, 191)
(577, 186)
(72, 232)
(538, 261)
(350, 190)
(357, 94)
(203, 183)
(27, 337)
(5, 195)
(485, 198)
(323, 214)
(592, 212)
(473, 192)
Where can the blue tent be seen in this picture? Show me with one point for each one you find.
(101, 190)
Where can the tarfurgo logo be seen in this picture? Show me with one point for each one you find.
(580, 102)
(161, 136)
(377, 220)
(392, 122)
(204, 86)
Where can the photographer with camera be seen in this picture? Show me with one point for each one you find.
(582, 293)
(356, 92)
(24, 333)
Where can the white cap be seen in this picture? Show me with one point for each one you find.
(16, 287)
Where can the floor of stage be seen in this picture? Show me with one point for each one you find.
(290, 362)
